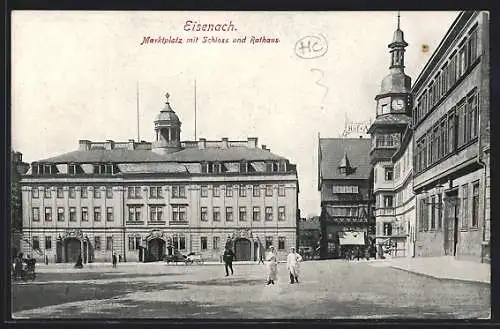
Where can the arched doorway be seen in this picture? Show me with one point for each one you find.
(243, 249)
(156, 248)
(72, 250)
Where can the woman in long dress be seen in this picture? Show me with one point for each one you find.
(272, 266)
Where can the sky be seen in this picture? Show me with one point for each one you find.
(75, 75)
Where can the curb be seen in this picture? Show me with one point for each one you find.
(439, 278)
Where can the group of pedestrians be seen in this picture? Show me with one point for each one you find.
(292, 263)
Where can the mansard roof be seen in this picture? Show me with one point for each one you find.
(332, 150)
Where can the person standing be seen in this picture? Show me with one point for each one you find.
(228, 260)
(114, 260)
(293, 264)
(272, 266)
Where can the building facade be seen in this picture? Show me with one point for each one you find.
(451, 143)
(391, 158)
(17, 168)
(345, 186)
(144, 200)
(309, 236)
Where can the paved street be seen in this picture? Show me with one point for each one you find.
(328, 289)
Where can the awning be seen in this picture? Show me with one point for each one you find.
(352, 238)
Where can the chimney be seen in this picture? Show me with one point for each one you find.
(109, 145)
(17, 157)
(252, 142)
(225, 144)
(202, 143)
(264, 147)
(84, 145)
(131, 144)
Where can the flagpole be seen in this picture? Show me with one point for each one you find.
(137, 106)
(194, 109)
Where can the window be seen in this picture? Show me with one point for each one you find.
(388, 201)
(389, 174)
(473, 116)
(229, 191)
(281, 243)
(475, 204)
(46, 193)
(256, 214)
(97, 214)
(85, 214)
(243, 191)
(269, 190)
(341, 189)
(179, 191)
(134, 213)
(97, 192)
(204, 191)
(384, 109)
(204, 214)
(36, 214)
(282, 166)
(421, 217)
(444, 138)
(451, 131)
(178, 213)
(60, 193)
(71, 192)
(243, 214)
(215, 242)
(35, 243)
(229, 214)
(243, 167)
(375, 175)
(155, 213)
(72, 169)
(134, 192)
(439, 210)
(134, 243)
(269, 213)
(84, 192)
(204, 245)
(462, 60)
(281, 213)
(155, 192)
(60, 214)
(465, 204)
(182, 243)
(72, 214)
(256, 190)
(452, 66)
(109, 192)
(269, 241)
(109, 243)
(48, 243)
(97, 243)
(472, 48)
(281, 190)
(216, 191)
(34, 192)
(216, 214)
(387, 229)
(109, 214)
(433, 212)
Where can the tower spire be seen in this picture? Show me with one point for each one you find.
(398, 19)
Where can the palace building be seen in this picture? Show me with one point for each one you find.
(143, 201)
(391, 158)
(451, 125)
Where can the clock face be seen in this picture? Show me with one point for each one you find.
(398, 104)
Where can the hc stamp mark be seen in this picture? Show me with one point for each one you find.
(312, 46)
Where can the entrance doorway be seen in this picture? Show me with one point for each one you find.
(156, 249)
(72, 250)
(243, 249)
(451, 230)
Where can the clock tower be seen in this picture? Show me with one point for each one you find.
(393, 111)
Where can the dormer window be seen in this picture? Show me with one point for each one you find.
(47, 169)
(216, 168)
(243, 167)
(72, 169)
(282, 166)
(275, 167)
(35, 169)
(344, 166)
(204, 168)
